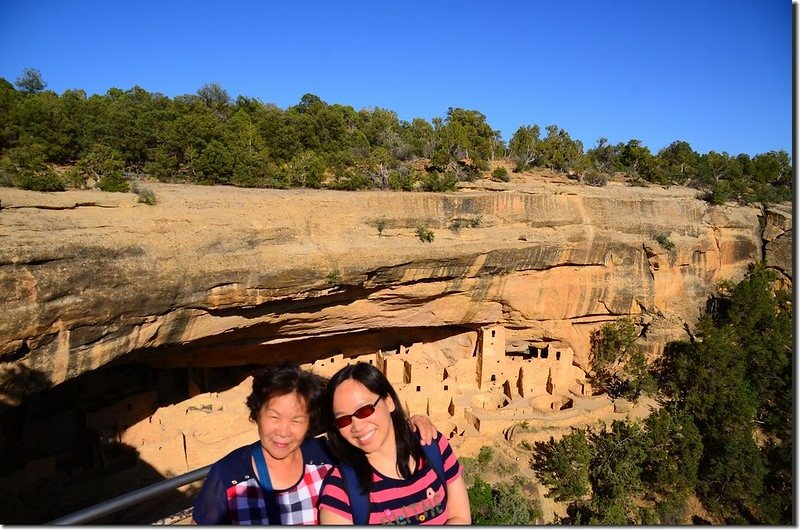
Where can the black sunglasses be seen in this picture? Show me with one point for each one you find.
(364, 412)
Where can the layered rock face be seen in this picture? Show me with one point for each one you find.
(225, 276)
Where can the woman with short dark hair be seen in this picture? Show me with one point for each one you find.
(277, 479)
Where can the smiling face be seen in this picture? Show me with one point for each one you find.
(373, 433)
(282, 425)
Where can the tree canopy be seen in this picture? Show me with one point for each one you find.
(209, 138)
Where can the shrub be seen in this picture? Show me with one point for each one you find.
(146, 195)
(501, 174)
(425, 234)
(334, 276)
(74, 178)
(100, 161)
(485, 455)
(460, 222)
(405, 179)
(381, 224)
(637, 181)
(25, 167)
(595, 178)
(720, 193)
(503, 504)
(351, 180)
(113, 182)
(664, 241)
(436, 181)
(46, 180)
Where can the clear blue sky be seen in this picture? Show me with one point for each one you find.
(715, 73)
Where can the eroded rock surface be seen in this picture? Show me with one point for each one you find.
(223, 276)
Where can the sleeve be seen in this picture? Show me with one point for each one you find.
(315, 451)
(333, 495)
(211, 505)
(452, 467)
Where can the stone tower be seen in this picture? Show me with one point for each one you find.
(491, 354)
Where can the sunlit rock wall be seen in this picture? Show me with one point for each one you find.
(223, 276)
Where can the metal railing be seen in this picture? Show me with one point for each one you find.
(134, 497)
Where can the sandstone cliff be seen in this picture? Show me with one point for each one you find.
(225, 276)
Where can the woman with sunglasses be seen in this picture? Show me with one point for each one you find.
(367, 430)
(277, 479)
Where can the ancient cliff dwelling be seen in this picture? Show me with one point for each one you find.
(129, 331)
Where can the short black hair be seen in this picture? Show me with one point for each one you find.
(285, 378)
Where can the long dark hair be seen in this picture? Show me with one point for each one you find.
(376, 382)
(284, 378)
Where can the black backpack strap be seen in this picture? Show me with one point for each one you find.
(359, 499)
(434, 456)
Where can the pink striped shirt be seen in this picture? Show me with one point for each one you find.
(418, 500)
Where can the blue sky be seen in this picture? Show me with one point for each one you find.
(715, 73)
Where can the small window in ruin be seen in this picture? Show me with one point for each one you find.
(558, 356)
(370, 361)
(419, 388)
(493, 332)
(494, 378)
(545, 353)
(445, 387)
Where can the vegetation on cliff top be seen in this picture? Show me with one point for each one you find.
(207, 138)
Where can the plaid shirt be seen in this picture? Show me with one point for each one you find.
(231, 494)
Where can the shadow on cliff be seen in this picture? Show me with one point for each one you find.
(16, 382)
(41, 497)
(61, 448)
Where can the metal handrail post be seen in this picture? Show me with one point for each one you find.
(134, 497)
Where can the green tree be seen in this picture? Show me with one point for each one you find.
(615, 469)
(636, 159)
(524, 146)
(248, 150)
(436, 181)
(619, 366)
(30, 81)
(707, 379)
(603, 156)
(420, 135)
(24, 166)
(105, 166)
(216, 98)
(560, 152)
(307, 170)
(464, 136)
(674, 448)
(504, 504)
(678, 163)
(214, 165)
(563, 466)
